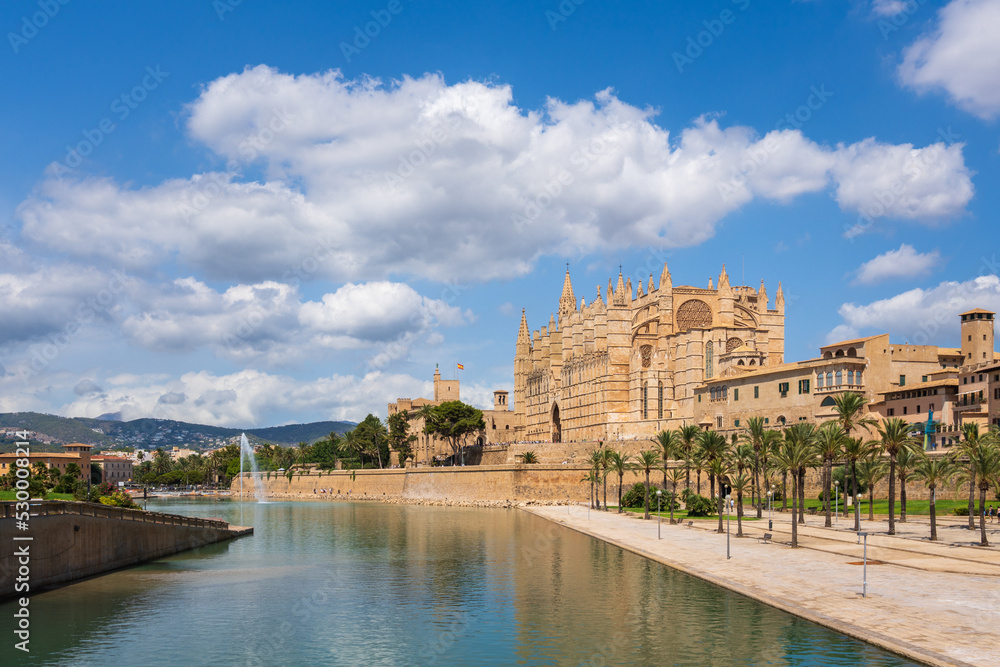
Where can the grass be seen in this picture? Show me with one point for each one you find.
(913, 507)
(12, 495)
(682, 514)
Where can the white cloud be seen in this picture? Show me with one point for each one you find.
(888, 7)
(420, 178)
(961, 57)
(905, 262)
(920, 316)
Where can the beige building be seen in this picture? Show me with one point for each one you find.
(632, 364)
(500, 421)
(75, 452)
(114, 469)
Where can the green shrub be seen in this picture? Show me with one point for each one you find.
(699, 505)
(961, 511)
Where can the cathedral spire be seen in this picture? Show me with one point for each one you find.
(620, 289)
(762, 298)
(639, 293)
(567, 302)
(779, 298)
(723, 278)
(523, 335)
(665, 278)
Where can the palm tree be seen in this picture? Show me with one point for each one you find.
(605, 466)
(935, 471)
(985, 465)
(894, 435)
(754, 435)
(795, 453)
(669, 442)
(688, 438)
(719, 468)
(968, 447)
(849, 407)
(697, 461)
(829, 445)
(529, 457)
(871, 470)
(855, 449)
(713, 446)
(804, 435)
(620, 464)
(674, 476)
(591, 477)
(741, 483)
(647, 463)
(904, 466)
(595, 460)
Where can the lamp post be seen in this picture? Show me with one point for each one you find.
(770, 522)
(728, 556)
(836, 500)
(659, 517)
(864, 572)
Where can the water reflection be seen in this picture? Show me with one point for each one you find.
(356, 583)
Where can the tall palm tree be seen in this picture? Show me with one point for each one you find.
(855, 449)
(830, 439)
(713, 445)
(674, 476)
(894, 435)
(803, 435)
(646, 463)
(741, 483)
(794, 454)
(985, 465)
(688, 440)
(871, 471)
(904, 466)
(754, 435)
(968, 446)
(596, 460)
(606, 453)
(935, 471)
(850, 407)
(719, 468)
(669, 443)
(620, 464)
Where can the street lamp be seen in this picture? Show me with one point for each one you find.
(864, 575)
(770, 522)
(728, 556)
(659, 517)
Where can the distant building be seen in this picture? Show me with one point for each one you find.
(114, 469)
(76, 452)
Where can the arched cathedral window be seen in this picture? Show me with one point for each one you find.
(709, 359)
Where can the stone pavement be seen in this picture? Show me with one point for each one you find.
(936, 603)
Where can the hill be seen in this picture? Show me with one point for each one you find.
(152, 433)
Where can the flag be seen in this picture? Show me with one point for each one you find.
(461, 367)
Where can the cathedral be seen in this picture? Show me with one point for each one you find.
(627, 365)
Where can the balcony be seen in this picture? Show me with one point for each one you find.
(840, 387)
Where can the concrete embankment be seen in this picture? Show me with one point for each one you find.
(939, 608)
(500, 485)
(65, 541)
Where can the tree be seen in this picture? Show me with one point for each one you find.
(620, 464)
(904, 466)
(670, 443)
(968, 447)
(713, 446)
(674, 476)
(717, 469)
(399, 437)
(871, 471)
(894, 435)
(935, 471)
(849, 407)
(795, 453)
(161, 462)
(754, 435)
(688, 439)
(855, 449)
(596, 459)
(530, 457)
(605, 466)
(804, 435)
(984, 465)
(741, 483)
(830, 439)
(453, 421)
(646, 463)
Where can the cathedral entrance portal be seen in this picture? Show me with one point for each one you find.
(556, 425)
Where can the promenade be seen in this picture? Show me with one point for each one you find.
(935, 603)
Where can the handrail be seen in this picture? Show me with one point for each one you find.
(55, 507)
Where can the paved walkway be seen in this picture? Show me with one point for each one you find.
(937, 603)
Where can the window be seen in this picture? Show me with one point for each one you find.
(892, 412)
(783, 389)
(819, 380)
(659, 401)
(766, 420)
(829, 379)
(699, 398)
(736, 396)
(923, 378)
(918, 408)
(840, 378)
(803, 386)
(718, 422)
(645, 397)
(756, 392)
(904, 409)
(736, 423)
(902, 380)
(850, 377)
(709, 359)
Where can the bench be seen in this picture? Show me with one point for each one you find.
(690, 524)
(766, 539)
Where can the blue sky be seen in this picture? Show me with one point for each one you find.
(249, 213)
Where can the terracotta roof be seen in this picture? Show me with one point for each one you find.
(51, 455)
(848, 342)
(950, 351)
(977, 310)
(946, 382)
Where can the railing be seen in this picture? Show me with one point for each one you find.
(839, 387)
(53, 507)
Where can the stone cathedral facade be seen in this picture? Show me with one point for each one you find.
(627, 365)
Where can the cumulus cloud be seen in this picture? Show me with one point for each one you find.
(920, 316)
(454, 182)
(245, 399)
(905, 262)
(960, 57)
(888, 7)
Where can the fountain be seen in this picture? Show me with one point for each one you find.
(258, 486)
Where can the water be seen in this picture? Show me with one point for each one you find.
(246, 451)
(370, 584)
